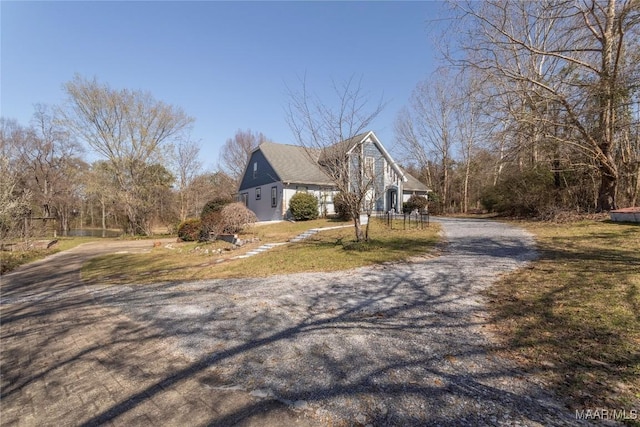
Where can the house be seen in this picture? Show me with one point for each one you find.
(275, 172)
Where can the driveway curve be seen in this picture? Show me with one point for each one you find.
(398, 344)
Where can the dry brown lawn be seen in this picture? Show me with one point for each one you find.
(573, 317)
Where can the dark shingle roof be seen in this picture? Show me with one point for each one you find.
(413, 184)
(294, 163)
(340, 149)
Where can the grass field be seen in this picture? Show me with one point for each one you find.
(326, 251)
(573, 318)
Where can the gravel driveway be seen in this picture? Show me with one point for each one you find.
(400, 344)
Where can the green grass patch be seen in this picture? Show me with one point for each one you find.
(574, 317)
(329, 250)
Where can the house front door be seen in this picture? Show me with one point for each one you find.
(392, 199)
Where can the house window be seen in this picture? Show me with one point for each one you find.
(245, 198)
(370, 166)
(274, 197)
(258, 193)
(327, 195)
(301, 189)
(255, 169)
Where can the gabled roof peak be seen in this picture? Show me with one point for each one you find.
(295, 163)
(346, 146)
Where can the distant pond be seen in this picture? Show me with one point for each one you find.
(94, 232)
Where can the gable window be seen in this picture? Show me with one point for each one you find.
(370, 167)
(274, 197)
(258, 193)
(255, 169)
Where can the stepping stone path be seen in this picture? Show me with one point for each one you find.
(259, 250)
(313, 231)
(296, 239)
(305, 235)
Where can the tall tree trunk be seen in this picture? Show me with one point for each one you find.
(358, 227)
(465, 206)
(64, 223)
(608, 189)
(636, 190)
(500, 164)
(445, 184)
(609, 178)
(104, 214)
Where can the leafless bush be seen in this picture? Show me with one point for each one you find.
(234, 217)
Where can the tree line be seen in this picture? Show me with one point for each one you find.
(148, 171)
(536, 110)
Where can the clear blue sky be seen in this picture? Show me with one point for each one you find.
(226, 64)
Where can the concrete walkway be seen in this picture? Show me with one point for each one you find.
(299, 238)
(314, 231)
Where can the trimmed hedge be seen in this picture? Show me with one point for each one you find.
(303, 206)
(415, 202)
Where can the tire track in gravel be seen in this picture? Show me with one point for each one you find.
(398, 344)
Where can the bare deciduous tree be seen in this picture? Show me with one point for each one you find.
(428, 129)
(15, 199)
(236, 151)
(52, 159)
(571, 65)
(99, 184)
(206, 187)
(129, 129)
(471, 129)
(188, 167)
(328, 132)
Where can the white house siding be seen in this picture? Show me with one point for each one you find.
(317, 191)
(407, 195)
(264, 210)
